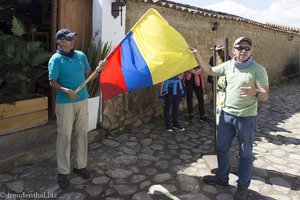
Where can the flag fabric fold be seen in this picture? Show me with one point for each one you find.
(151, 52)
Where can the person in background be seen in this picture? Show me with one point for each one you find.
(247, 83)
(219, 60)
(172, 90)
(221, 81)
(194, 82)
(68, 69)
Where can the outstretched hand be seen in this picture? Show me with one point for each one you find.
(248, 91)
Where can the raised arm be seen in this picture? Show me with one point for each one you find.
(206, 68)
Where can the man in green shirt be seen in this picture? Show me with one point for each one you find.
(247, 83)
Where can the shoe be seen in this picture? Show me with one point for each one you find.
(63, 181)
(204, 118)
(241, 194)
(84, 173)
(213, 180)
(191, 116)
(178, 128)
(169, 130)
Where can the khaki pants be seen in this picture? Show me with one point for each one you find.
(68, 116)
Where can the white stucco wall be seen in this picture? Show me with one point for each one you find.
(105, 26)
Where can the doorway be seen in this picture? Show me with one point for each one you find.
(42, 19)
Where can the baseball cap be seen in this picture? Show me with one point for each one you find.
(219, 47)
(242, 39)
(64, 33)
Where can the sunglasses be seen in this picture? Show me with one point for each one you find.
(241, 48)
(68, 38)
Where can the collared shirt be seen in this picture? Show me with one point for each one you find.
(70, 73)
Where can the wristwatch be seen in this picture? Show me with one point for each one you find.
(257, 93)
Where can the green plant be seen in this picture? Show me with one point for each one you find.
(19, 61)
(94, 54)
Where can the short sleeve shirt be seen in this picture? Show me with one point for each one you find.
(70, 73)
(236, 78)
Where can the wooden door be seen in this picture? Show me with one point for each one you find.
(76, 15)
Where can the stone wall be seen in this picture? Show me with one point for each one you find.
(277, 50)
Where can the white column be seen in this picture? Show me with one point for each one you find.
(105, 25)
(108, 29)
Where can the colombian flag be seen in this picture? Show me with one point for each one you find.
(151, 52)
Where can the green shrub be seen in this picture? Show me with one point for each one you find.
(94, 54)
(19, 61)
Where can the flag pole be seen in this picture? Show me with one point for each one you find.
(92, 75)
(86, 81)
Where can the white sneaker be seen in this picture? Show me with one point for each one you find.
(170, 130)
(178, 128)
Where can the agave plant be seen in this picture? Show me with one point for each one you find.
(94, 54)
(19, 61)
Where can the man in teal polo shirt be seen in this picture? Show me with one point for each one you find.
(247, 83)
(68, 69)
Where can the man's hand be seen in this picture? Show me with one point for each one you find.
(193, 50)
(71, 94)
(206, 68)
(101, 65)
(248, 91)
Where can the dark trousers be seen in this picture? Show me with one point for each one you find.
(171, 102)
(191, 87)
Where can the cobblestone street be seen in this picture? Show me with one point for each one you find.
(149, 163)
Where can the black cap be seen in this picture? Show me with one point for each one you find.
(64, 33)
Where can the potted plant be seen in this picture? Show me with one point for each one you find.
(94, 54)
(19, 61)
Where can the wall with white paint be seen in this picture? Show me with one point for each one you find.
(105, 26)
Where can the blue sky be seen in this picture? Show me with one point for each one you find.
(281, 12)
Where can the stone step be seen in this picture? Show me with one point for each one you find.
(34, 145)
(26, 146)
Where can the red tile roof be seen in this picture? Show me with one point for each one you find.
(218, 15)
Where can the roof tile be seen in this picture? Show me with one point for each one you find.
(219, 15)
